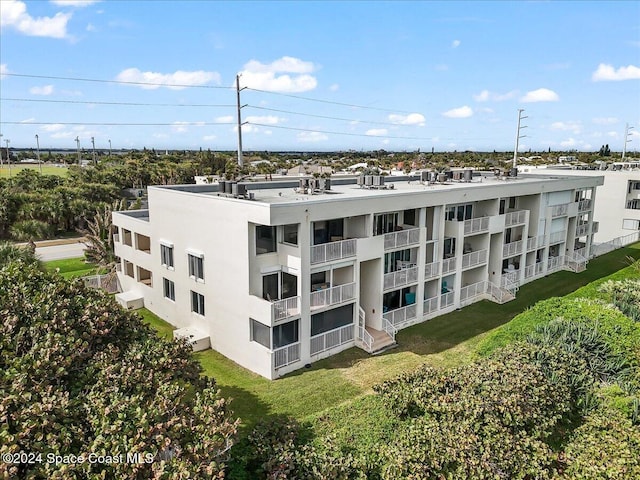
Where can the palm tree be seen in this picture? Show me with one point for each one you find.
(14, 253)
(99, 238)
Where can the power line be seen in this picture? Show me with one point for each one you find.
(326, 116)
(86, 102)
(122, 82)
(118, 124)
(335, 133)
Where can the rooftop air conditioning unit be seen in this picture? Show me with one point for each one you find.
(360, 180)
(378, 180)
(228, 187)
(327, 184)
(368, 180)
(457, 175)
(221, 185)
(468, 174)
(239, 190)
(424, 175)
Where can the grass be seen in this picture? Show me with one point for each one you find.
(71, 267)
(444, 341)
(46, 170)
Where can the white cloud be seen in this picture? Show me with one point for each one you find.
(312, 137)
(28, 120)
(605, 120)
(376, 132)
(486, 95)
(74, 3)
(3, 70)
(91, 27)
(15, 15)
(574, 127)
(606, 72)
(441, 68)
(461, 112)
(410, 119)
(287, 74)
(208, 138)
(54, 127)
(540, 95)
(266, 119)
(44, 90)
(455, 43)
(174, 81)
(225, 119)
(612, 134)
(335, 87)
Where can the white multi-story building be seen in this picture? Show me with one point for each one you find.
(278, 277)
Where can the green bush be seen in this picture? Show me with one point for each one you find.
(625, 295)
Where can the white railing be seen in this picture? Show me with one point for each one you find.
(401, 315)
(400, 277)
(559, 210)
(595, 227)
(333, 295)
(431, 270)
(576, 262)
(582, 229)
(584, 205)
(535, 242)
(499, 294)
(557, 237)
(448, 265)
(510, 280)
(514, 218)
(476, 225)
(471, 291)
(389, 328)
(327, 252)
(554, 263)
(285, 308)
(116, 238)
(513, 248)
(401, 238)
(430, 305)
(107, 282)
(474, 258)
(331, 339)
(618, 242)
(446, 300)
(533, 270)
(286, 355)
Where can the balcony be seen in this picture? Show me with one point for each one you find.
(332, 296)
(273, 312)
(401, 315)
(595, 227)
(470, 292)
(402, 238)
(535, 242)
(331, 339)
(584, 205)
(559, 210)
(328, 252)
(473, 259)
(446, 300)
(476, 225)
(448, 265)
(557, 237)
(116, 238)
(430, 305)
(582, 230)
(286, 355)
(555, 263)
(534, 270)
(400, 278)
(515, 218)
(431, 270)
(511, 249)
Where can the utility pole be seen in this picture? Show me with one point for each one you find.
(93, 152)
(38, 153)
(8, 157)
(1, 162)
(626, 139)
(240, 159)
(514, 169)
(78, 148)
(109, 148)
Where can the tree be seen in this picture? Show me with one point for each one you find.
(99, 238)
(14, 253)
(80, 376)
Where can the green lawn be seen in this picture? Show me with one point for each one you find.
(46, 170)
(71, 267)
(445, 341)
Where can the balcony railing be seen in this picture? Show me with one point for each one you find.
(510, 279)
(582, 230)
(431, 270)
(534, 270)
(476, 225)
(559, 210)
(430, 305)
(446, 300)
(557, 237)
(448, 265)
(595, 227)
(332, 296)
(116, 238)
(555, 263)
(584, 205)
(515, 218)
(331, 339)
(401, 238)
(472, 291)
(401, 315)
(474, 258)
(327, 252)
(286, 355)
(389, 329)
(400, 278)
(285, 308)
(513, 248)
(535, 242)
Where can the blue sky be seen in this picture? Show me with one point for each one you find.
(320, 75)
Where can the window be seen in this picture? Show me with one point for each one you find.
(265, 239)
(459, 212)
(290, 234)
(197, 303)
(196, 267)
(285, 334)
(410, 217)
(260, 333)
(385, 223)
(169, 289)
(331, 319)
(328, 231)
(279, 285)
(166, 256)
(630, 224)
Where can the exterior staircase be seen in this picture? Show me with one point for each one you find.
(576, 262)
(374, 341)
(381, 340)
(501, 294)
